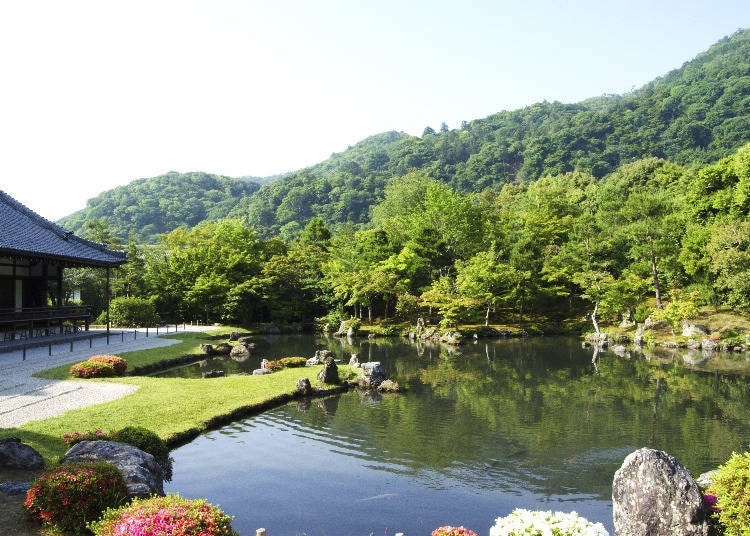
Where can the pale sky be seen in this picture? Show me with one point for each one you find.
(95, 94)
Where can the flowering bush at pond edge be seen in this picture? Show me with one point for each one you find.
(545, 523)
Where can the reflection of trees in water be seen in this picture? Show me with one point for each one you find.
(535, 408)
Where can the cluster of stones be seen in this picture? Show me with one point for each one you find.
(142, 474)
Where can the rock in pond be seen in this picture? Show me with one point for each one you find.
(653, 494)
(17, 455)
(389, 386)
(354, 361)
(240, 353)
(142, 474)
(373, 374)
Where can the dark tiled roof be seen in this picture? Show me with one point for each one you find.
(23, 232)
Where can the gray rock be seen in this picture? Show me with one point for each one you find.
(312, 362)
(303, 385)
(389, 386)
(653, 494)
(261, 371)
(239, 353)
(342, 329)
(708, 344)
(354, 361)
(322, 354)
(142, 474)
(451, 337)
(621, 350)
(330, 372)
(17, 455)
(351, 332)
(693, 344)
(694, 330)
(14, 488)
(222, 348)
(217, 373)
(234, 336)
(705, 480)
(372, 375)
(208, 349)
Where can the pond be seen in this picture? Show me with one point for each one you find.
(478, 431)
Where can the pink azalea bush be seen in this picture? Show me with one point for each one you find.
(92, 369)
(76, 437)
(453, 531)
(73, 494)
(119, 364)
(164, 516)
(100, 366)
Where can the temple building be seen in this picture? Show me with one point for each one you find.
(34, 252)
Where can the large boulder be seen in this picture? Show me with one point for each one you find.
(234, 336)
(330, 372)
(303, 386)
(142, 474)
(694, 330)
(240, 353)
(653, 494)
(373, 374)
(17, 455)
(223, 348)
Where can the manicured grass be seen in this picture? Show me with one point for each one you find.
(175, 408)
(189, 345)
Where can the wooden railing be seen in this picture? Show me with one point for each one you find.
(38, 321)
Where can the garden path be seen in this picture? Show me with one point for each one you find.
(24, 398)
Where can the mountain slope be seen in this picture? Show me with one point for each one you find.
(694, 115)
(147, 207)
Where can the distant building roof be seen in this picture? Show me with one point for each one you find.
(25, 233)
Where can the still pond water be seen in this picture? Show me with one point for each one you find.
(494, 426)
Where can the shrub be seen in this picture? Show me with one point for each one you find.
(92, 369)
(273, 365)
(76, 437)
(131, 311)
(144, 439)
(453, 531)
(166, 516)
(292, 362)
(117, 362)
(732, 487)
(522, 522)
(73, 494)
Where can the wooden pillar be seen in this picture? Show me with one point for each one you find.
(108, 296)
(60, 269)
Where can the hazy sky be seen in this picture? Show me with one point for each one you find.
(96, 94)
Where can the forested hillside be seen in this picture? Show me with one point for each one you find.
(692, 116)
(148, 207)
(696, 114)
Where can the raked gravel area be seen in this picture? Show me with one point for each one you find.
(24, 398)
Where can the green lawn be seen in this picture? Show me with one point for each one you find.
(174, 408)
(190, 344)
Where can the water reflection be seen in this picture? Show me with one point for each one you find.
(538, 423)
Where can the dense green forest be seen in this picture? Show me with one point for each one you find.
(148, 207)
(692, 116)
(652, 237)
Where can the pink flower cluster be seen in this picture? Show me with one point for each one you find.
(76, 437)
(165, 516)
(453, 531)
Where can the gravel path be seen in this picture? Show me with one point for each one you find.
(24, 398)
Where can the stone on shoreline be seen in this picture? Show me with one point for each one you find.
(653, 493)
(142, 474)
(17, 455)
